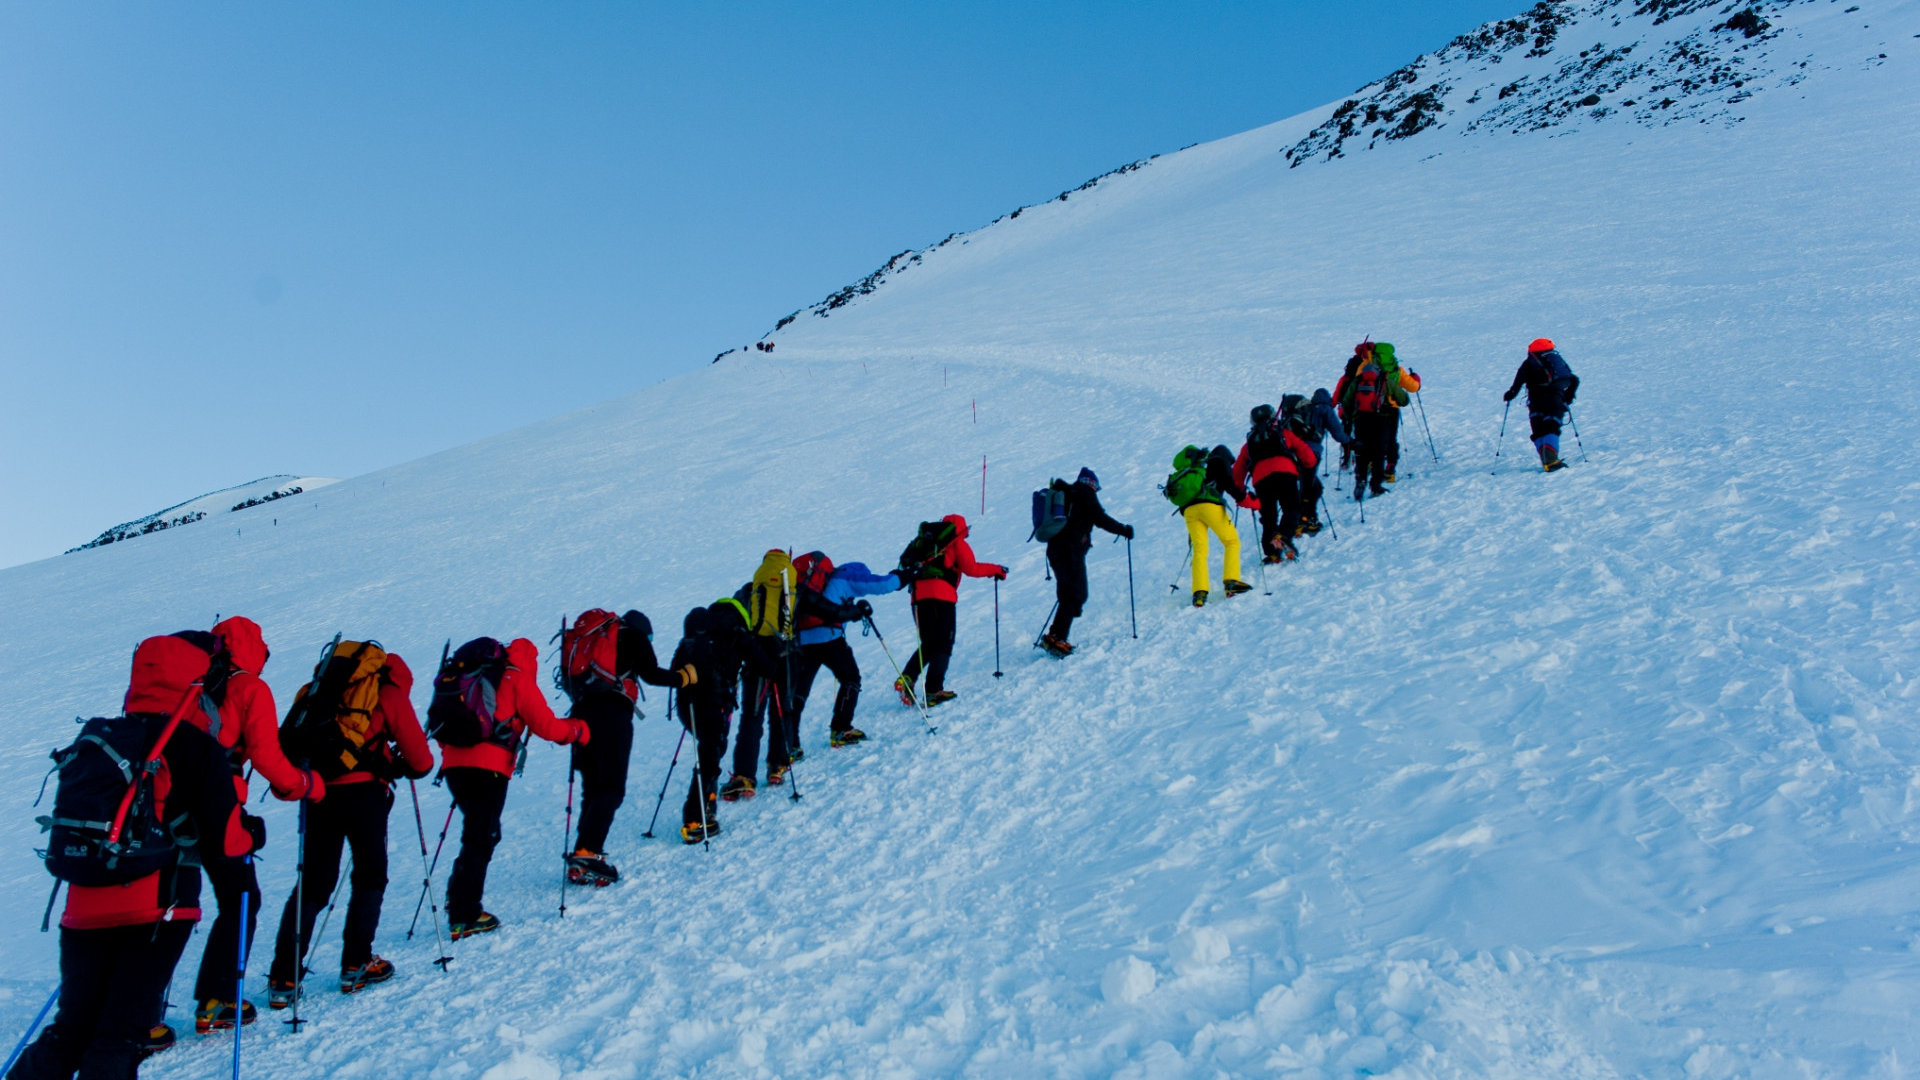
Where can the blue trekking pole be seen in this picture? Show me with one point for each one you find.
(240, 981)
(21, 1046)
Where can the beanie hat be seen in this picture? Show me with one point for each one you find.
(1086, 477)
(1541, 344)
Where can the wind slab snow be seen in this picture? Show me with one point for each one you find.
(1609, 773)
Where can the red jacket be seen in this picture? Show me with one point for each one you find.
(1248, 471)
(250, 722)
(520, 701)
(957, 560)
(195, 781)
(394, 719)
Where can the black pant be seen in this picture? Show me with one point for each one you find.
(1279, 495)
(709, 720)
(481, 794)
(836, 656)
(220, 962)
(1069, 563)
(1390, 440)
(935, 621)
(112, 983)
(1370, 434)
(764, 704)
(1311, 488)
(351, 814)
(602, 765)
(1543, 424)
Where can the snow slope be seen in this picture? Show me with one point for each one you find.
(1605, 774)
(225, 501)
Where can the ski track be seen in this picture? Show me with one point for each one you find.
(1608, 774)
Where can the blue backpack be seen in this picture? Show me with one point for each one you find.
(1049, 511)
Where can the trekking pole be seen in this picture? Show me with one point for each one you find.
(306, 954)
(1132, 617)
(787, 735)
(300, 915)
(700, 788)
(1576, 434)
(920, 658)
(661, 801)
(420, 828)
(566, 838)
(1043, 626)
(1422, 403)
(426, 886)
(1329, 510)
(21, 1046)
(240, 977)
(997, 673)
(897, 672)
(1502, 441)
(1174, 586)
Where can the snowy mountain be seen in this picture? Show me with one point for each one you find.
(1608, 773)
(225, 501)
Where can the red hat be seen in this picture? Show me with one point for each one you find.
(1541, 344)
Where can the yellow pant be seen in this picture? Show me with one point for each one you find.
(1201, 517)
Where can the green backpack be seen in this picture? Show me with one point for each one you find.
(1390, 369)
(1188, 481)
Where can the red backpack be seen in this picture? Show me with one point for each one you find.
(811, 571)
(1369, 388)
(590, 657)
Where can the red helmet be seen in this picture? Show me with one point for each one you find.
(1541, 344)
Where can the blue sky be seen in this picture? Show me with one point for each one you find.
(245, 239)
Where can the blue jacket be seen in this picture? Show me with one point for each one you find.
(848, 583)
(1326, 421)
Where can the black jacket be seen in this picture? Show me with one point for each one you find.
(1220, 474)
(1083, 513)
(718, 644)
(1550, 383)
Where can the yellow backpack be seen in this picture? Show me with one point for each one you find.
(331, 718)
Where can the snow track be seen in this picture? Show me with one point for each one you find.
(1608, 773)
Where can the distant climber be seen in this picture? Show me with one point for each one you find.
(1067, 555)
(1272, 462)
(1198, 487)
(934, 562)
(831, 597)
(1550, 385)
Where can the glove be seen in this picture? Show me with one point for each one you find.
(582, 734)
(688, 676)
(316, 787)
(256, 827)
(1126, 531)
(1249, 503)
(865, 609)
(1509, 395)
(1000, 573)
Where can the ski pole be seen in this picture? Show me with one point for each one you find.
(426, 886)
(1132, 617)
(700, 789)
(1174, 585)
(426, 881)
(1502, 441)
(997, 673)
(21, 1046)
(1576, 434)
(1043, 626)
(305, 954)
(240, 977)
(661, 801)
(896, 669)
(1422, 403)
(566, 838)
(786, 739)
(920, 661)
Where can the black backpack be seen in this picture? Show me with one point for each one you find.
(1049, 511)
(108, 825)
(463, 696)
(917, 562)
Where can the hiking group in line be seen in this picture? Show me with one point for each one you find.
(147, 800)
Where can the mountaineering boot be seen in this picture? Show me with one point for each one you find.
(1288, 552)
(216, 1015)
(777, 774)
(1389, 478)
(484, 924)
(588, 868)
(1199, 598)
(1058, 648)
(1235, 587)
(281, 993)
(940, 697)
(1550, 459)
(736, 788)
(694, 832)
(358, 977)
(159, 1037)
(849, 737)
(1377, 491)
(1311, 526)
(905, 690)
(797, 755)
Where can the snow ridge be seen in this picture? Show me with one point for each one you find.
(226, 500)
